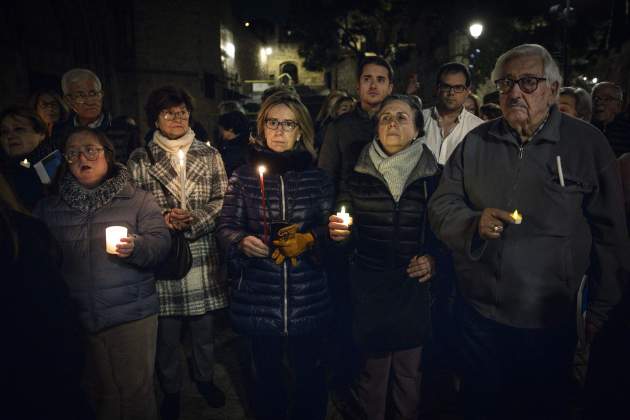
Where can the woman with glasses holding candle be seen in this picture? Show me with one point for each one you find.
(272, 227)
(115, 293)
(173, 158)
(394, 256)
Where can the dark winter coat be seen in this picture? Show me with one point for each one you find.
(23, 180)
(109, 290)
(391, 311)
(46, 351)
(271, 299)
(233, 152)
(529, 278)
(124, 135)
(343, 141)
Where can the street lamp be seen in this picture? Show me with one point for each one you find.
(475, 29)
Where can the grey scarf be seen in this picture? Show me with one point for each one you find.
(86, 200)
(395, 168)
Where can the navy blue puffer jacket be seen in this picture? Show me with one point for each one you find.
(271, 299)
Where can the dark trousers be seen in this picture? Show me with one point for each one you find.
(513, 373)
(119, 368)
(309, 389)
(403, 367)
(169, 362)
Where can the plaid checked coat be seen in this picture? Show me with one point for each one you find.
(203, 289)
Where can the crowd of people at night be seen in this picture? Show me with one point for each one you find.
(360, 253)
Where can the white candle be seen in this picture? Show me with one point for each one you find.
(182, 177)
(113, 235)
(347, 220)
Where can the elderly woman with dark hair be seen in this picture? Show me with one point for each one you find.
(113, 287)
(24, 143)
(191, 208)
(394, 256)
(272, 227)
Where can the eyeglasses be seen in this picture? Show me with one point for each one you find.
(51, 105)
(170, 116)
(287, 125)
(82, 98)
(527, 84)
(401, 118)
(605, 99)
(90, 153)
(446, 88)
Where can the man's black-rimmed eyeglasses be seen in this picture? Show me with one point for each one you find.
(527, 84)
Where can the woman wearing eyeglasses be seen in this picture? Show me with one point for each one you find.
(394, 257)
(272, 228)
(194, 299)
(115, 292)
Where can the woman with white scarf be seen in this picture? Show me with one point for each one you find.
(193, 299)
(394, 256)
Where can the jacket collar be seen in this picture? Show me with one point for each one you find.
(296, 160)
(550, 131)
(427, 165)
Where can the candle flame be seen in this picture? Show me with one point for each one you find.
(516, 215)
(262, 169)
(343, 209)
(25, 163)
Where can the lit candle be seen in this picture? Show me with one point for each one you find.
(516, 216)
(347, 220)
(263, 201)
(25, 163)
(182, 177)
(113, 235)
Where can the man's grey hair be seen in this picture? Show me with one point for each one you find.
(583, 104)
(78, 75)
(615, 86)
(551, 70)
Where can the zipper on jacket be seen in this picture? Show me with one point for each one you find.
(89, 261)
(284, 264)
(395, 248)
(521, 151)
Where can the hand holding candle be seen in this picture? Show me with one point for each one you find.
(339, 225)
(113, 235)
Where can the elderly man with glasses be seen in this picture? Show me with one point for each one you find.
(84, 94)
(448, 121)
(609, 117)
(518, 274)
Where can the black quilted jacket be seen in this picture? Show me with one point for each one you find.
(391, 311)
(270, 299)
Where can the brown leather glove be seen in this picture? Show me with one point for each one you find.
(291, 244)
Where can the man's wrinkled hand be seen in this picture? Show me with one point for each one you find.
(492, 223)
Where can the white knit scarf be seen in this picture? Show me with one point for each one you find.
(173, 146)
(395, 168)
